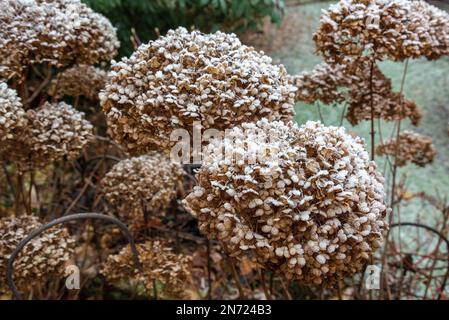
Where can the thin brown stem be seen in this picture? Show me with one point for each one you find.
(371, 92)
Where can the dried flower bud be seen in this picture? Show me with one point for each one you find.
(80, 80)
(186, 77)
(311, 229)
(43, 257)
(57, 32)
(413, 147)
(159, 263)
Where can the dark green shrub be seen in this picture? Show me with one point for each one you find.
(206, 15)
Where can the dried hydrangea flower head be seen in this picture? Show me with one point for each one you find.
(351, 82)
(42, 258)
(80, 80)
(323, 84)
(57, 32)
(12, 115)
(54, 132)
(390, 107)
(142, 185)
(393, 29)
(159, 263)
(186, 77)
(315, 213)
(413, 147)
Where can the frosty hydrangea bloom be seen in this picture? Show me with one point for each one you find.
(142, 185)
(12, 115)
(323, 84)
(42, 258)
(80, 80)
(185, 77)
(315, 213)
(390, 107)
(58, 32)
(393, 29)
(351, 82)
(54, 132)
(159, 263)
(413, 147)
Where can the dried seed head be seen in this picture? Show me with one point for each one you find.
(413, 147)
(54, 132)
(393, 29)
(186, 77)
(312, 228)
(159, 263)
(80, 80)
(57, 32)
(42, 258)
(140, 185)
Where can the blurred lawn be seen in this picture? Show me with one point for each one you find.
(427, 84)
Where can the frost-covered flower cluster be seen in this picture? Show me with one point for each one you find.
(12, 115)
(142, 185)
(393, 29)
(170, 270)
(314, 213)
(324, 83)
(185, 77)
(42, 258)
(57, 32)
(413, 147)
(80, 80)
(54, 132)
(351, 82)
(390, 107)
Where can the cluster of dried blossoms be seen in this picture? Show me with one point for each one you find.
(393, 29)
(391, 107)
(413, 147)
(186, 77)
(80, 80)
(57, 32)
(159, 264)
(41, 259)
(12, 115)
(324, 83)
(351, 82)
(142, 185)
(54, 132)
(315, 212)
